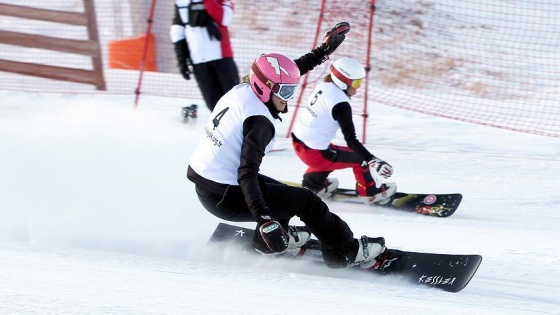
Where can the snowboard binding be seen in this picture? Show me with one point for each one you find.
(388, 262)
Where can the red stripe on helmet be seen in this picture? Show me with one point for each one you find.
(341, 76)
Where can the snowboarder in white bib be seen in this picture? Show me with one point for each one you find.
(328, 110)
(240, 132)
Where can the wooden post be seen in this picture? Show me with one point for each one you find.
(89, 47)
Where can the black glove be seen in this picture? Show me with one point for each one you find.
(185, 71)
(333, 38)
(273, 234)
(183, 55)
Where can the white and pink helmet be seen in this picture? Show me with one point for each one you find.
(274, 73)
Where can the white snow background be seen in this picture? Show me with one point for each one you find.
(97, 216)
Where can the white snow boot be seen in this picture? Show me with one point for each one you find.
(298, 236)
(325, 191)
(381, 195)
(370, 248)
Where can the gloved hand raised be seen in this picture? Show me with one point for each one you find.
(334, 37)
(380, 167)
(273, 234)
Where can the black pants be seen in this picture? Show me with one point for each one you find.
(215, 78)
(285, 202)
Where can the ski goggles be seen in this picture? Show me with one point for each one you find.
(285, 91)
(356, 83)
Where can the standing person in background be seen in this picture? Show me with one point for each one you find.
(328, 110)
(201, 38)
(225, 165)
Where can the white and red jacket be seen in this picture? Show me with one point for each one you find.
(203, 48)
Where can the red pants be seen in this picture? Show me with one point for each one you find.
(322, 162)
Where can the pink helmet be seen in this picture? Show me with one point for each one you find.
(274, 73)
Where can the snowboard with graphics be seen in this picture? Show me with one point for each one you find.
(436, 205)
(448, 272)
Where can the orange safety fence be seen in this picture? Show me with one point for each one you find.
(127, 53)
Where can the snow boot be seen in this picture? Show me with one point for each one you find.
(297, 237)
(369, 253)
(190, 112)
(324, 191)
(381, 195)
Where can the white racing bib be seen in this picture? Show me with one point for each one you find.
(217, 155)
(315, 125)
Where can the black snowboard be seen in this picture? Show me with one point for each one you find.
(448, 272)
(436, 205)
